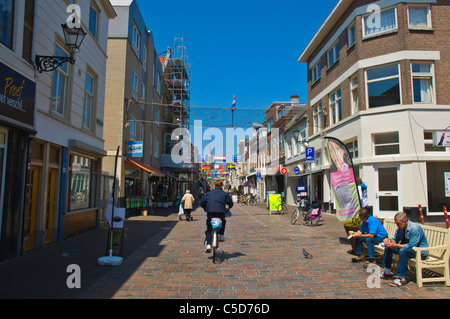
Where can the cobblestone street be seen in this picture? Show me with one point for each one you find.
(261, 258)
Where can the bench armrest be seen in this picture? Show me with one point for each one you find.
(417, 249)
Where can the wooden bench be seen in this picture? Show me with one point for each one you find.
(439, 250)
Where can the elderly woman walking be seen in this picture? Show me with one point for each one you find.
(188, 201)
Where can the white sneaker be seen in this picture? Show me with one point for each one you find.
(208, 249)
(221, 238)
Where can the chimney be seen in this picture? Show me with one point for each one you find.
(295, 99)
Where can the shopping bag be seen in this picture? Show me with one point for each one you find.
(181, 210)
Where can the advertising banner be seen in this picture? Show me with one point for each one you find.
(343, 182)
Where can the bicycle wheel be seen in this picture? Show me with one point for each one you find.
(282, 209)
(294, 217)
(252, 202)
(215, 244)
(315, 222)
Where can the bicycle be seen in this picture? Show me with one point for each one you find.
(302, 208)
(243, 200)
(282, 208)
(253, 200)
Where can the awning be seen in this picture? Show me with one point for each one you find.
(147, 168)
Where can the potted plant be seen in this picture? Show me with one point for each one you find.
(353, 225)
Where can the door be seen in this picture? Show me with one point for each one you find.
(32, 208)
(51, 204)
(387, 202)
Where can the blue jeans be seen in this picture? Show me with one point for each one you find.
(370, 243)
(403, 255)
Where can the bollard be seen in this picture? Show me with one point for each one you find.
(421, 214)
(446, 217)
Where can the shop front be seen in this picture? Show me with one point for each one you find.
(17, 113)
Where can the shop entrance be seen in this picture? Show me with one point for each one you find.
(32, 203)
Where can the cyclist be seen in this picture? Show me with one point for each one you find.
(214, 204)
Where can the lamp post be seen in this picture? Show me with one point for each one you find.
(74, 38)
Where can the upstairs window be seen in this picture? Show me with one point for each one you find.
(335, 107)
(379, 23)
(383, 86)
(422, 74)
(93, 20)
(351, 34)
(6, 22)
(136, 43)
(419, 17)
(315, 73)
(333, 54)
(317, 117)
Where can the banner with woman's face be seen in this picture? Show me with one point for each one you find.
(343, 182)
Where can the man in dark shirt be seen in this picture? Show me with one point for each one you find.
(214, 204)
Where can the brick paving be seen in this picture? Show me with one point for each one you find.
(261, 258)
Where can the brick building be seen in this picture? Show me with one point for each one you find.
(378, 81)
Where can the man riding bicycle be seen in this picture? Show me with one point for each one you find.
(214, 204)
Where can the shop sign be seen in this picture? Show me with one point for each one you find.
(442, 138)
(135, 149)
(447, 184)
(17, 96)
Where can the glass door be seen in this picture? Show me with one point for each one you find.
(387, 202)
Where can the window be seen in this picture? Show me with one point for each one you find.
(141, 131)
(89, 101)
(317, 117)
(419, 17)
(333, 54)
(132, 128)
(6, 22)
(157, 116)
(82, 175)
(156, 150)
(93, 20)
(422, 75)
(315, 73)
(144, 58)
(383, 86)
(351, 34)
(353, 149)
(375, 25)
(136, 43)
(354, 94)
(59, 90)
(386, 144)
(134, 86)
(335, 107)
(429, 143)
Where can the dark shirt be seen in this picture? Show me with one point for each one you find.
(215, 201)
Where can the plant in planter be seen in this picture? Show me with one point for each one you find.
(353, 225)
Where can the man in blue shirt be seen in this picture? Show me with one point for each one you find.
(372, 232)
(407, 236)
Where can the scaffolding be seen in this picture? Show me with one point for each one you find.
(177, 78)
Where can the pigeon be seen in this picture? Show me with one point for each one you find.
(306, 254)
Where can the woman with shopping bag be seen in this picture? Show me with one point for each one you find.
(188, 202)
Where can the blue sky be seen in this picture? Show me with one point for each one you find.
(245, 48)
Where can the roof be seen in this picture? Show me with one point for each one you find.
(324, 29)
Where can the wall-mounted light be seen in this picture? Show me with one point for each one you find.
(74, 38)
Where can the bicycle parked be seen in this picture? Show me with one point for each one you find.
(311, 214)
(282, 207)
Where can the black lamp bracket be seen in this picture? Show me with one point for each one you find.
(51, 63)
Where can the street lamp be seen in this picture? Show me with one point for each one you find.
(74, 38)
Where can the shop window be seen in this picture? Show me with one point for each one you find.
(83, 182)
(438, 181)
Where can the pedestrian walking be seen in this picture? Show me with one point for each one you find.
(188, 202)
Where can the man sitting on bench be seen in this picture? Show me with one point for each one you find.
(407, 236)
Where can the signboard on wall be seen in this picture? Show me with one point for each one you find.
(17, 96)
(441, 138)
(135, 149)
